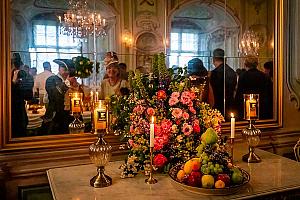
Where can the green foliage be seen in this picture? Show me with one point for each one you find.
(84, 67)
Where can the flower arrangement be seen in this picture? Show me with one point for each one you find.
(180, 115)
(84, 67)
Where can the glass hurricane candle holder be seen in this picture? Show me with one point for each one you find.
(77, 126)
(251, 106)
(100, 151)
(251, 134)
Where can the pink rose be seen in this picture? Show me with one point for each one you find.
(177, 113)
(192, 110)
(150, 111)
(160, 160)
(185, 116)
(187, 129)
(175, 95)
(173, 101)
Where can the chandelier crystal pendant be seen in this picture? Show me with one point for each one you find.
(249, 44)
(80, 21)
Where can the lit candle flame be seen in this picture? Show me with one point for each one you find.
(232, 115)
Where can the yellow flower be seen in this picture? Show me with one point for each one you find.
(81, 62)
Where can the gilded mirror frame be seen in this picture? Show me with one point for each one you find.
(9, 144)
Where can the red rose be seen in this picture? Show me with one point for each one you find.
(161, 94)
(196, 128)
(159, 160)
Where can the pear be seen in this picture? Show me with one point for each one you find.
(209, 137)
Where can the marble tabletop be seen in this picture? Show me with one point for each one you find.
(274, 174)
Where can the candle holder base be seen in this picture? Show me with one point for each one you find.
(251, 157)
(150, 180)
(76, 126)
(101, 180)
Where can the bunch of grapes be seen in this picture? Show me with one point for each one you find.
(214, 159)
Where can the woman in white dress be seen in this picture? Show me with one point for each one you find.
(113, 83)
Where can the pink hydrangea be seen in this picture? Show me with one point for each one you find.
(139, 109)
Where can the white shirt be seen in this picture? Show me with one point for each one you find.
(40, 82)
(107, 90)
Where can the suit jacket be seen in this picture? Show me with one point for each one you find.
(55, 112)
(254, 81)
(217, 83)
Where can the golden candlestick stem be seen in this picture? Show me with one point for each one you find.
(231, 149)
(151, 180)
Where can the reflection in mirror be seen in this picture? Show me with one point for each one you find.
(43, 72)
(221, 34)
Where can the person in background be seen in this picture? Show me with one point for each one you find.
(124, 73)
(57, 119)
(33, 72)
(217, 83)
(253, 81)
(21, 90)
(110, 57)
(268, 69)
(198, 75)
(39, 87)
(113, 84)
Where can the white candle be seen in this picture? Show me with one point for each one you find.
(152, 132)
(97, 96)
(232, 127)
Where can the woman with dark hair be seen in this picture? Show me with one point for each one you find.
(113, 83)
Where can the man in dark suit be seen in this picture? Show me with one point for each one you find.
(217, 83)
(254, 81)
(56, 119)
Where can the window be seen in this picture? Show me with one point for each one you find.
(48, 44)
(187, 44)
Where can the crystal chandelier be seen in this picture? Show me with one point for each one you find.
(80, 21)
(249, 44)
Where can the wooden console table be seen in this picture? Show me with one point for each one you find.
(275, 176)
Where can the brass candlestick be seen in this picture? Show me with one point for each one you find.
(151, 180)
(231, 149)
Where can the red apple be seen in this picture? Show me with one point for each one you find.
(194, 179)
(225, 178)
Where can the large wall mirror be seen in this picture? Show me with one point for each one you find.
(242, 34)
(195, 28)
(43, 45)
